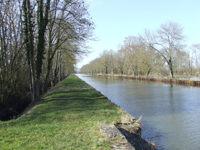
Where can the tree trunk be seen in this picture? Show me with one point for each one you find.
(148, 72)
(42, 23)
(171, 68)
(37, 86)
(29, 45)
(106, 70)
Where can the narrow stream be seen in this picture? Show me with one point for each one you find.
(170, 113)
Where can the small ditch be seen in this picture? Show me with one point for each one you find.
(13, 108)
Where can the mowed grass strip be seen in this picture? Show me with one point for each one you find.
(68, 118)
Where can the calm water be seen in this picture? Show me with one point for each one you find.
(170, 114)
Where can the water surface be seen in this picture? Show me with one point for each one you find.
(170, 113)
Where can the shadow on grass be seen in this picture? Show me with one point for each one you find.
(79, 103)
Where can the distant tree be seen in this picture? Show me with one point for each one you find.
(182, 63)
(105, 61)
(86, 68)
(130, 50)
(120, 59)
(196, 56)
(111, 55)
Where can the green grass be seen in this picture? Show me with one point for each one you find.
(68, 118)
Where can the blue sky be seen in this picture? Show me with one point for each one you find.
(116, 19)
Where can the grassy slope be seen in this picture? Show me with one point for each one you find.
(68, 118)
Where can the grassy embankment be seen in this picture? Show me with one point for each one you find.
(68, 118)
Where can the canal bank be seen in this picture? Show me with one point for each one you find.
(72, 115)
(191, 82)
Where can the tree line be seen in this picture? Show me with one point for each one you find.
(40, 40)
(159, 53)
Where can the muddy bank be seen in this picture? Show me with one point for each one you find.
(129, 140)
(159, 80)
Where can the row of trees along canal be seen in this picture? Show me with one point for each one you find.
(159, 53)
(40, 40)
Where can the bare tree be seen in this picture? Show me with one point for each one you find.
(105, 61)
(29, 44)
(69, 26)
(167, 42)
(132, 50)
(196, 56)
(42, 21)
(120, 59)
(39, 39)
(12, 58)
(62, 27)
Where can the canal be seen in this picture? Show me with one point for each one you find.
(170, 113)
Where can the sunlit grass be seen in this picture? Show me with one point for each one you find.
(68, 118)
